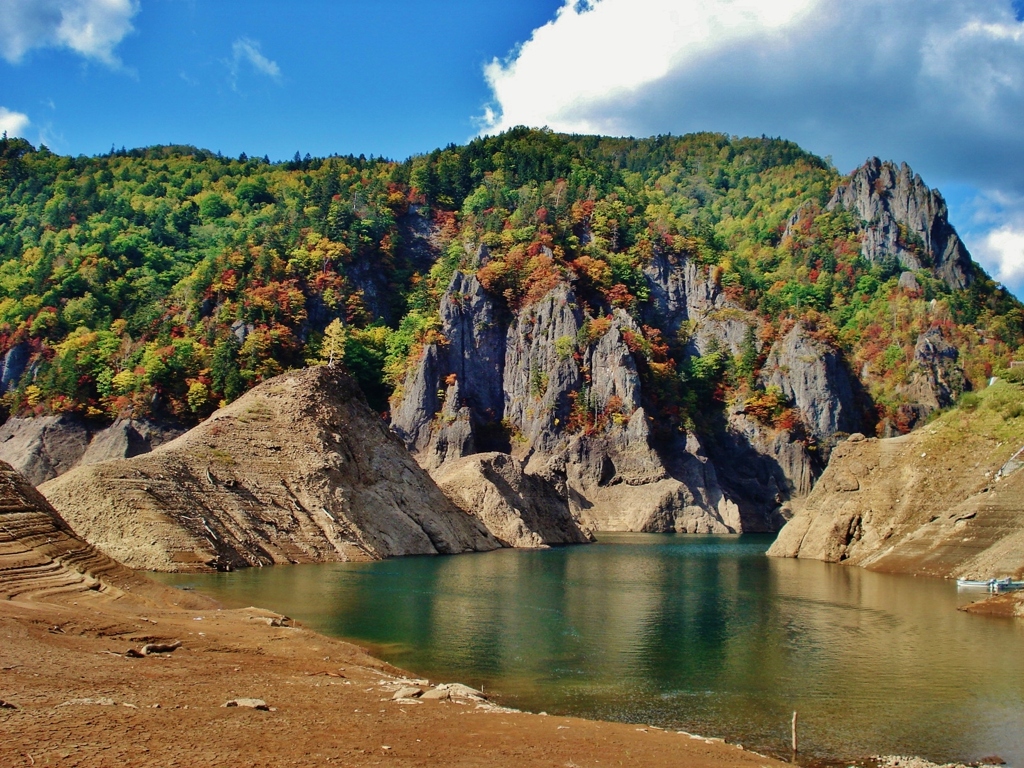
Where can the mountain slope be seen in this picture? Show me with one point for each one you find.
(297, 470)
(678, 327)
(945, 500)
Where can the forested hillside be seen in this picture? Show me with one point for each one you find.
(165, 281)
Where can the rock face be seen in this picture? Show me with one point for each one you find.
(44, 447)
(297, 470)
(935, 502)
(766, 468)
(937, 380)
(475, 328)
(13, 365)
(813, 376)
(40, 556)
(905, 219)
(560, 390)
(520, 510)
(685, 298)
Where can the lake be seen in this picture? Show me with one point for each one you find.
(698, 633)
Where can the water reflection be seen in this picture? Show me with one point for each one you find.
(701, 633)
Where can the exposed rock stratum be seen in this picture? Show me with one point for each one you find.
(41, 558)
(297, 470)
(945, 500)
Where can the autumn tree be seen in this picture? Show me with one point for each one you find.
(333, 348)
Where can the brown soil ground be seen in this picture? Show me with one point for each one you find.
(70, 695)
(331, 701)
(1009, 605)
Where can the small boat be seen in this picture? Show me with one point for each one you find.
(974, 584)
(992, 585)
(1007, 585)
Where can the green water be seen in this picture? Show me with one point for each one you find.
(698, 633)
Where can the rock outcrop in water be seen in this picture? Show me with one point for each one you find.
(297, 470)
(519, 509)
(945, 500)
(561, 390)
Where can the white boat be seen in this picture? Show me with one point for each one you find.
(992, 585)
(1007, 585)
(974, 584)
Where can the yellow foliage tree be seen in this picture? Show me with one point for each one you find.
(333, 349)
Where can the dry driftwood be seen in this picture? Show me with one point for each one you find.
(150, 648)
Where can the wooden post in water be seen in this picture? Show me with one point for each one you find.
(795, 744)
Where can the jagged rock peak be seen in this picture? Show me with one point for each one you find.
(905, 219)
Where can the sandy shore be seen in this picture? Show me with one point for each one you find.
(73, 698)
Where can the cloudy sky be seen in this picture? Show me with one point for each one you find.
(936, 83)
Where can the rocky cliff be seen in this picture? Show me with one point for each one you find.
(944, 500)
(560, 383)
(558, 386)
(568, 383)
(41, 448)
(905, 220)
(684, 297)
(297, 470)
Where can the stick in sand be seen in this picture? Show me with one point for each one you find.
(795, 749)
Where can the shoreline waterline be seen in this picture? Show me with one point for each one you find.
(699, 634)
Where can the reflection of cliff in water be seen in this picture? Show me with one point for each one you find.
(699, 633)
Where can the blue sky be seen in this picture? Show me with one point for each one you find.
(936, 83)
(392, 78)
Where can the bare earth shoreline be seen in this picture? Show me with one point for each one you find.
(72, 698)
(77, 687)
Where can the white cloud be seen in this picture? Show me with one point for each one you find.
(92, 28)
(938, 83)
(246, 51)
(13, 123)
(1004, 247)
(994, 231)
(606, 52)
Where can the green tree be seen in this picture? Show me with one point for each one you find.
(333, 348)
(224, 372)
